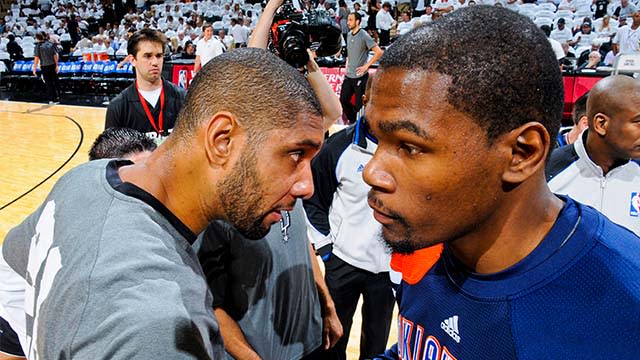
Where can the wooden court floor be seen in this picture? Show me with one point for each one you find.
(39, 143)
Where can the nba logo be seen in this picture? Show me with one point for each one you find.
(635, 204)
(182, 79)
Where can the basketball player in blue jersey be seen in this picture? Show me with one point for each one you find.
(465, 110)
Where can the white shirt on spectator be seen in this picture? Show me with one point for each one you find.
(628, 39)
(384, 21)
(208, 49)
(439, 4)
(557, 48)
(567, 5)
(239, 33)
(457, 5)
(584, 39)
(562, 36)
(404, 27)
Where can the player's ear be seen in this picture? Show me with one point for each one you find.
(600, 124)
(529, 145)
(222, 135)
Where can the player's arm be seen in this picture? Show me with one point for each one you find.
(331, 327)
(234, 341)
(377, 53)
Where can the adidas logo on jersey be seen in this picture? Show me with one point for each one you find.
(450, 326)
(360, 168)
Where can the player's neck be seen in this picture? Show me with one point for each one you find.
(512, 232)
(174, 189)
(145, 85)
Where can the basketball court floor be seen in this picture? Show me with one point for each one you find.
(39, 143)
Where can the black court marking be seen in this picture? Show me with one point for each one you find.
(31, 112)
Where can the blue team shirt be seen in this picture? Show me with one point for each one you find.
(576, 296)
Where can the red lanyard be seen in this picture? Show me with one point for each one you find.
(157, 128)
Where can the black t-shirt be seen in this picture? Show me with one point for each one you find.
(601, 8)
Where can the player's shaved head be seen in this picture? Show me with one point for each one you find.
(611, 95)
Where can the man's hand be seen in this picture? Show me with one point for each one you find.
(57, 69)
(331, 329)
(361, 70)
(34, 72)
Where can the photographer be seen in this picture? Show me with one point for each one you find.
(358, 45)
(331, 109)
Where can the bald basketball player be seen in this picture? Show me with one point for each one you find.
(598, 169)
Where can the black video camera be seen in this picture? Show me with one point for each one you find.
(293, 32)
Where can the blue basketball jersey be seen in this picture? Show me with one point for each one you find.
(576, 296)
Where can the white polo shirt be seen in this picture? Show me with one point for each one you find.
(208, 49)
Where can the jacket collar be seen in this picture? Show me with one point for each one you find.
(581, 150)
(361, 136)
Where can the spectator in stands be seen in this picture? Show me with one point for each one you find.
(600, 8)
(419, 7)
(598, 169)
(151, 104)
(406, 24)
(442, 6)
(594, 60)
(189, 51)
(74, 30)
(14, 49)
(584, 38)
(239, 33)
(373, 7)
(85, 42)
(227, 40)
(182, 38)
(569, 135)
(627, 36)
(610, 58)
(384, 23)
(567, 5)
(625, 9)
(585, 56)
(460, 4)
(359, 43)
(207, 48)
(46, 56)
(605, 29)
(562, 33)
